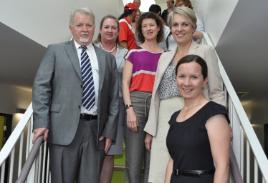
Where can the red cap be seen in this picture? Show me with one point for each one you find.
(130, 6)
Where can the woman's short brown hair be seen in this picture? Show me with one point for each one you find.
(158, 21)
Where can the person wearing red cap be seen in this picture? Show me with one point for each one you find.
(126, 31)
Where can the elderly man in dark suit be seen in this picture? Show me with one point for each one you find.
(75, 103)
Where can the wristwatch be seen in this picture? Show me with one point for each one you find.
(127, 106)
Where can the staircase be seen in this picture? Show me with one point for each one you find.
(248, 161)
(20, 161)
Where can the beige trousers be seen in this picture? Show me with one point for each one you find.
(159, 152)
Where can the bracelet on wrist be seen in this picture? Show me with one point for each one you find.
(127, 106)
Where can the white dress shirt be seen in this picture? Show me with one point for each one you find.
(95, 69)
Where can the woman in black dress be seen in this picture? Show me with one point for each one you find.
(199, 137)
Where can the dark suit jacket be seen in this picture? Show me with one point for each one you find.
(57, 93)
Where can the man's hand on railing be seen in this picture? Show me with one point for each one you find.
(30, 160)
(40, 132)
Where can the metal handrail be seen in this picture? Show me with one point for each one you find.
(29, 162)
(13, 138)
(244, 121)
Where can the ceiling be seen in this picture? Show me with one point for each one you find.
(19, 57)
(243, 47)
(243, 50)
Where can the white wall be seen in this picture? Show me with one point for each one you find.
(46, 21)
(12, 97)
(215, 15)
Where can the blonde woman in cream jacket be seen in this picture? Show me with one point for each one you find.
(166, 98)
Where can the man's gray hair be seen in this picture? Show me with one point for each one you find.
(84, 11)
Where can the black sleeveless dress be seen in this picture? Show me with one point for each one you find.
(188, 144)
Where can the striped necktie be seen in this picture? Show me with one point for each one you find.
(88, 96)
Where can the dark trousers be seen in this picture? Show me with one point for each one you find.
(80, 161)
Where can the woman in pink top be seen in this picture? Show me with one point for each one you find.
(138, 81)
